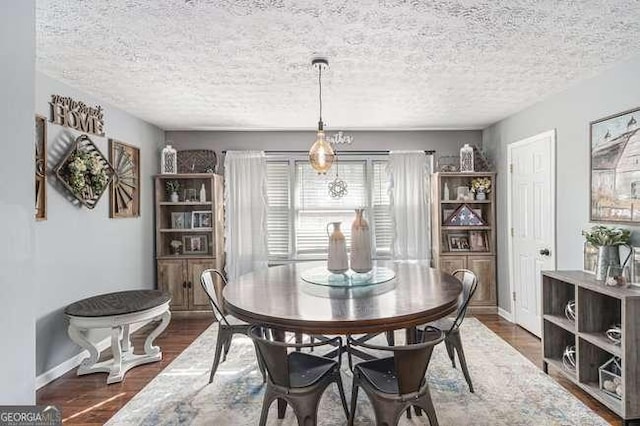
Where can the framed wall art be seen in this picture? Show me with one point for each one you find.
(41, 167)
(615, 168)
(124, 194)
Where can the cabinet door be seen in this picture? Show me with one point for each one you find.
(198, 299)
(172, 279)
(485, 269)
(449, 264)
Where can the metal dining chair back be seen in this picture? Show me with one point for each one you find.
(208, 285)
(469, 282)
(227, 324)
(394, 384)
(299, 378)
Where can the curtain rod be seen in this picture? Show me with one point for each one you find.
(428, 152)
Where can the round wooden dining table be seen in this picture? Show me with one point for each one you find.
(278, 297)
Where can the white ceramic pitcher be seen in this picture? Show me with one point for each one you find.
(337, 261)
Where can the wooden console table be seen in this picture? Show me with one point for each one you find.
(118, 311)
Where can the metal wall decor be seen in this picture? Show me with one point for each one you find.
(197, 161)
(615, 171)
(338, 188)
(168, 161)
(124, 194)
(341, 139)
(77, 115)
(85, 172)
(41, 167)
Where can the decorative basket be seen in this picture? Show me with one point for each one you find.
(197, 161)
(91, 192)
(611, 377)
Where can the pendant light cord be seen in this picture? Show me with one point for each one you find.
(320, 124)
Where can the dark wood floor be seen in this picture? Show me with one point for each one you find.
(87, 400)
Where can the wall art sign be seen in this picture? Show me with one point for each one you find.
(615, 168)
(77, 115)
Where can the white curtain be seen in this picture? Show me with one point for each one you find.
(409, 174)
(245, 201)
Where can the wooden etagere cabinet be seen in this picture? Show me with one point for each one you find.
(472, 247)
(189, 237)
(597, 308)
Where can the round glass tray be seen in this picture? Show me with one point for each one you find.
(321, 276)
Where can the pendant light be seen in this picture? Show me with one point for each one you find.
(321, 154)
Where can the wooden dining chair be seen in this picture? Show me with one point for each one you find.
(297, 378)
(451, 326)
(228, 325)
(396, 383)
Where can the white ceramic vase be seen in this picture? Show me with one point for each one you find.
(337, 261)
(361, 244)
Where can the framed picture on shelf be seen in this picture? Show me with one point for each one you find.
(458, 242)
(178, 220)
(615, 173)
(478, 241)
(195, 244)
(201, 219)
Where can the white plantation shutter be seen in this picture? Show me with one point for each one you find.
(299, 205)
(380, 206)
(315, 208)
(278, 211)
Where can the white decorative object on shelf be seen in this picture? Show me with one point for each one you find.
(446, 192)
(203, 194)
(360, 244)
(169, 161)
(466, 158)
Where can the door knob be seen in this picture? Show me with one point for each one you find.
(545, 252)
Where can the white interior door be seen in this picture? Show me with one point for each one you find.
(532, 222)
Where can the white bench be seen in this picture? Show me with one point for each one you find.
(118, 311)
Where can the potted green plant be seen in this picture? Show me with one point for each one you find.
(608, 241)
(173, 186)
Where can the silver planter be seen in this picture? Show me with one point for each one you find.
(607, 256)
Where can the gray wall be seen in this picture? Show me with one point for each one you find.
(569, 112)
(17, 285)
(444, 142)
(81, 252)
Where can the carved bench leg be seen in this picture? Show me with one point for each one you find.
(79, 337)
(149, 348)
(116, 374)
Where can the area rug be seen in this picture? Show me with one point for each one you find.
(509, 390)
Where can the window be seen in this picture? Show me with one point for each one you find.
(300, 207)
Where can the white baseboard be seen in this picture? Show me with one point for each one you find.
(504, 314)
(68, 365)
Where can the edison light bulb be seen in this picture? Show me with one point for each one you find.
(321, 154)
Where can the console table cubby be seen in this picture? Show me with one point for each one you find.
(597, 308)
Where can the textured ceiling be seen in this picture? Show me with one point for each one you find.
(245, 64)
